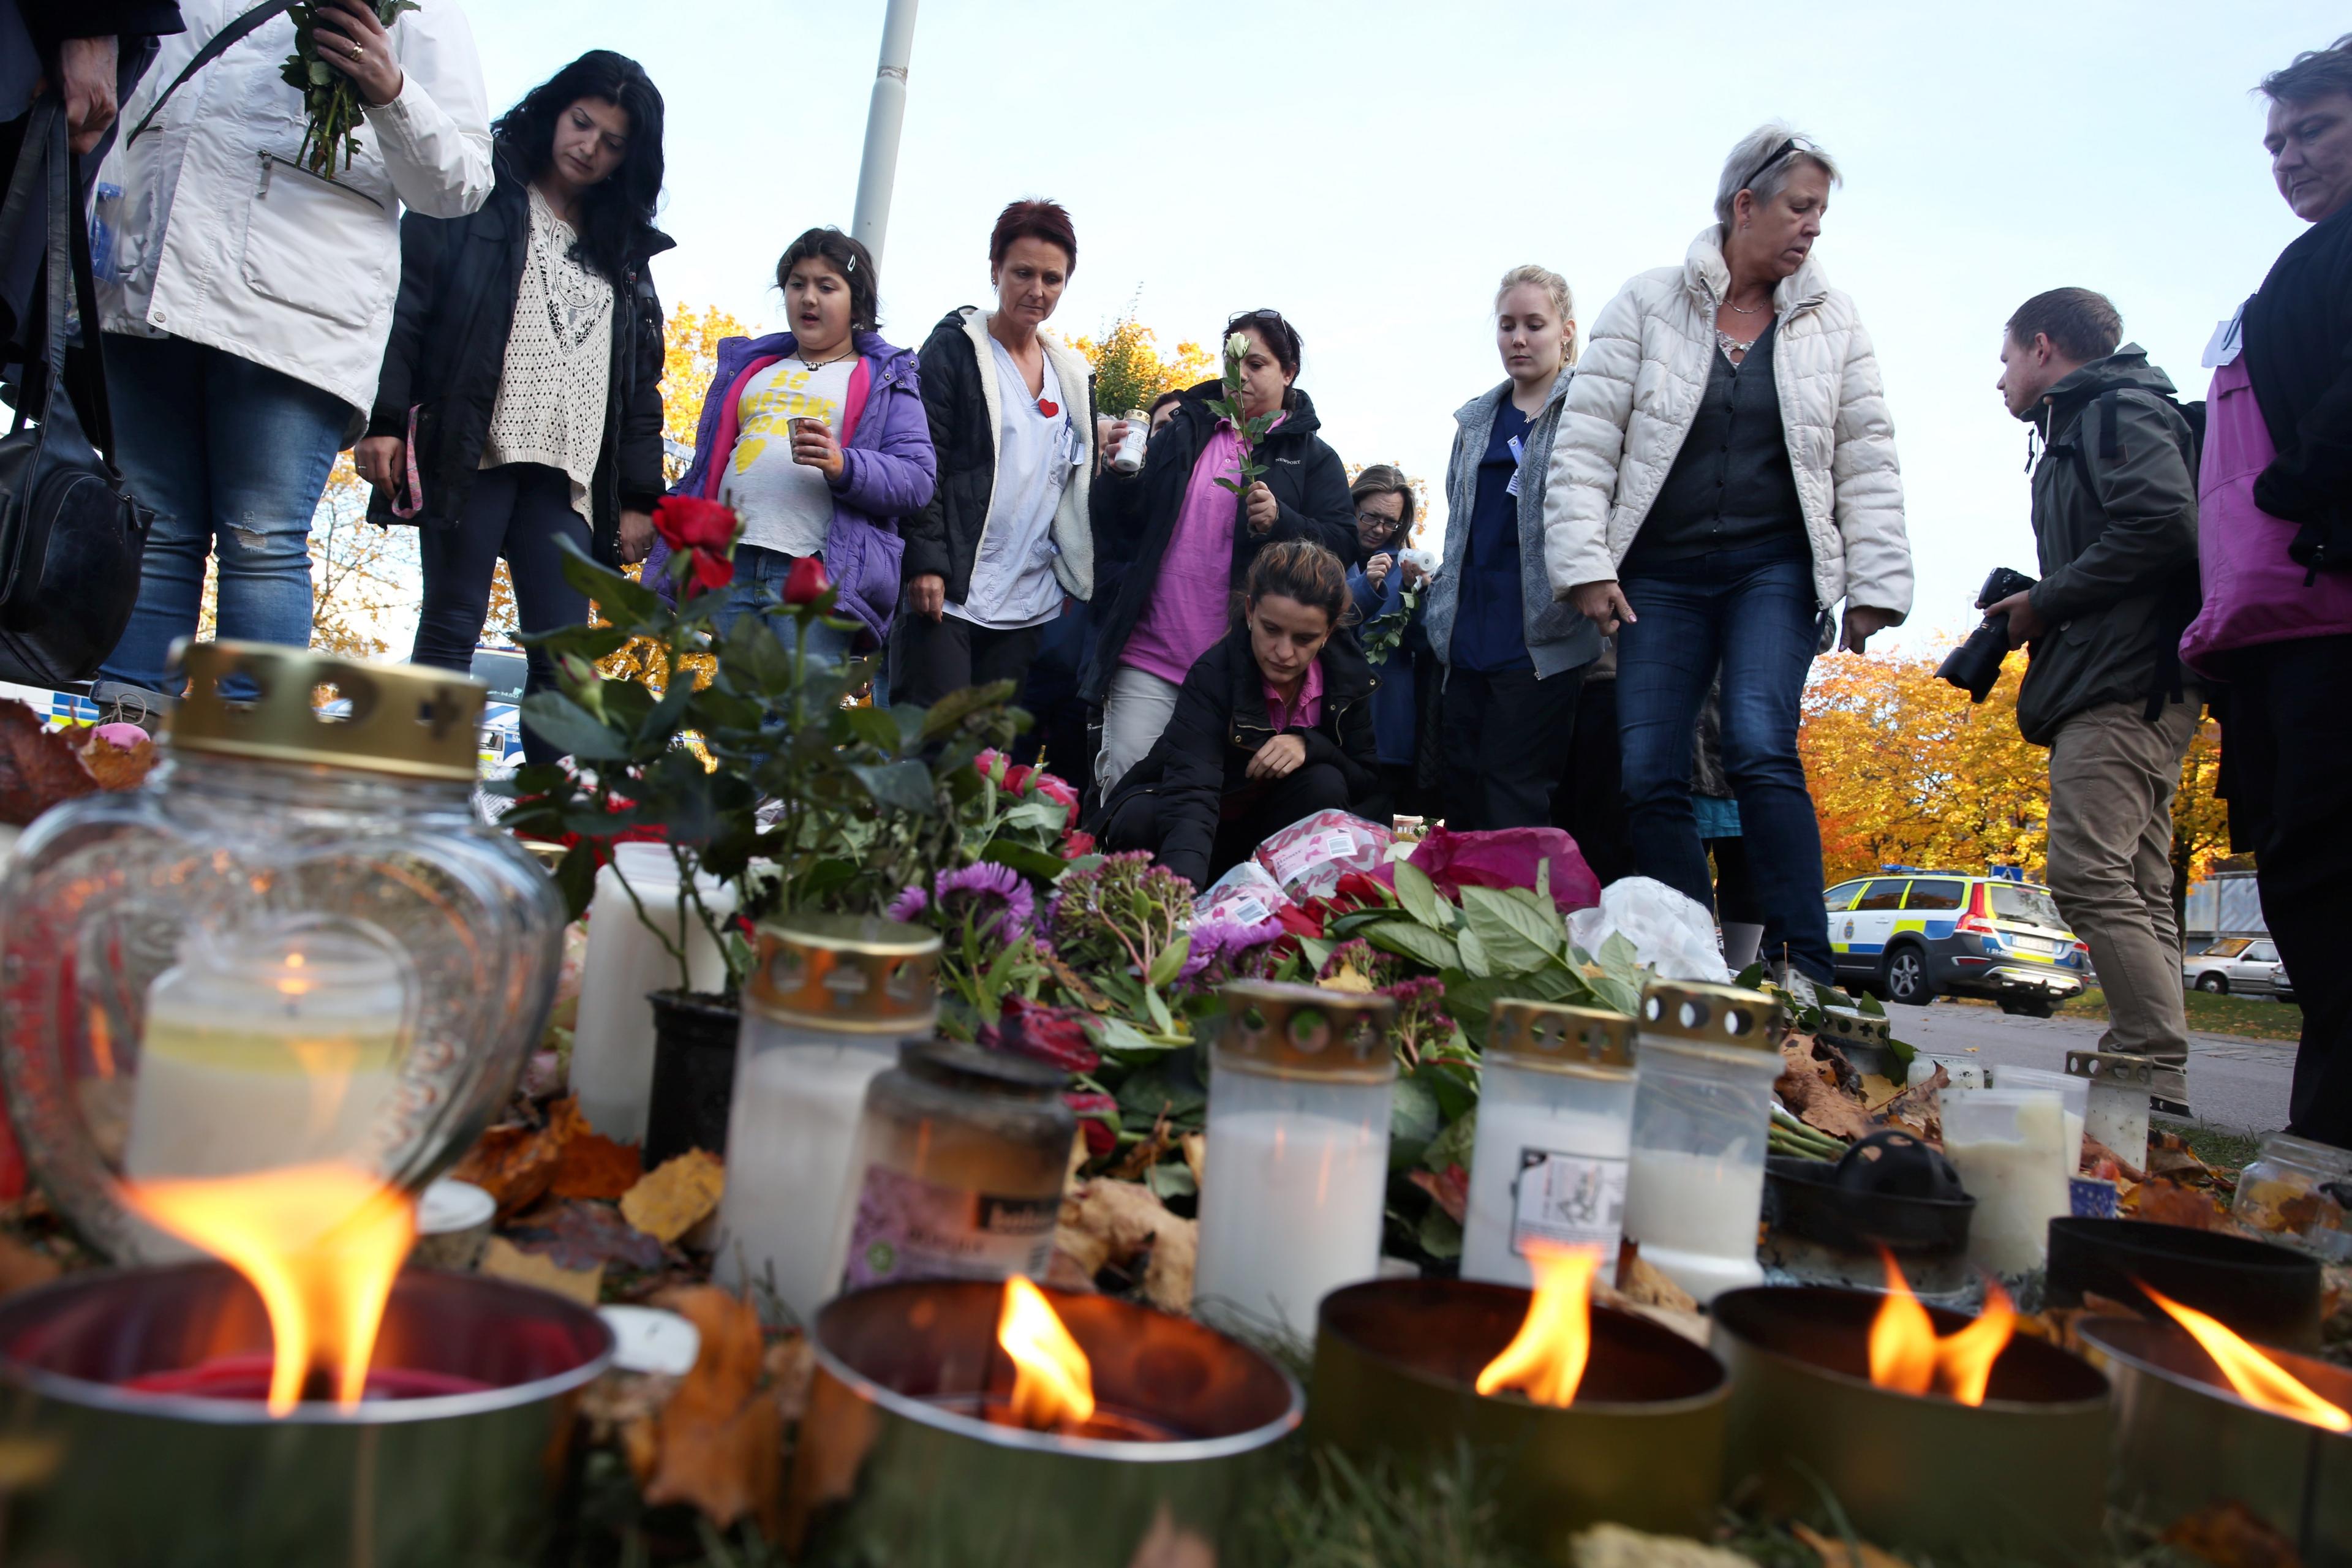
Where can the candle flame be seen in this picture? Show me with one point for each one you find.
(320, 1243)
(1052, 1383)
(1546, 1361)
(2260, 1381)
(1906, 1355)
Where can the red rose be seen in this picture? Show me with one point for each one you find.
(1015, 776)
(1074, 844)
(1050, 1035)
(704, 532)
(806, 581)
(1056, 790)
(1098, 1120)
(990, 764)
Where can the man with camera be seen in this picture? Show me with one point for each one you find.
(2114, 520)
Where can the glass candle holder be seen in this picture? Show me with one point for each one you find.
(828, 999)
(296, 942)
(1695, 1194)
(2009, 1148)
(1555, 1136)
(629, 957)
(1296, 1180)
(957, 1169)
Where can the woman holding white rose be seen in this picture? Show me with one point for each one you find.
(1191, 539)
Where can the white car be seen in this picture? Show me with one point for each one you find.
(2239, 966)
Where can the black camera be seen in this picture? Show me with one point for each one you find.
(1975, 665)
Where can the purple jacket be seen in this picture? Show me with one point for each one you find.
(887, 471)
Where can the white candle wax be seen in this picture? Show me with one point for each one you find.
(1544, 1173)
(613, 1046)
(1696, 1216)
(789, 1134)
(282, 1055)
(2018, 1174)
(1290, 1211)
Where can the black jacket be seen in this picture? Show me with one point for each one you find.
(944, 536)
(2299, 359)
(2114, 520)
(1218, 726)
(459, 281)
(1138, 512)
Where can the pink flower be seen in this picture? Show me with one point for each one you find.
(911, 902)
(1098, 1120)
(990, 764)
(1050, 1035)
(1056, 790)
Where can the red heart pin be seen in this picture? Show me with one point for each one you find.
(1048, 407)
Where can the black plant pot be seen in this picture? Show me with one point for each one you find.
(694, 1073)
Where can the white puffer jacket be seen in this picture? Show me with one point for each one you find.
(226, 239)
(1637, 391)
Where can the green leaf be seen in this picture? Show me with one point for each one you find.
(874, 726)
(1413, 1120)
(1872, 1005)
(1172, 1179)
(575, 879)
(1420, 897)
(620, 599)
(1621, 959)
(1440, 1234)
(1119, 1035)
(570, 728)
(1514, 937)
(1452, 1146)
(1164, 1021)
(1022, 858)
(1170, 1086)
(1317, 952)
(1413, 940)
(898, 787)
(957, 706)
(320, 74)
(1473, 950)
(1166, 962)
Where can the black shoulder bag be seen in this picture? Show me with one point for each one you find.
(70, 538)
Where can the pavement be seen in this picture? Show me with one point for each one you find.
(2233, 1082)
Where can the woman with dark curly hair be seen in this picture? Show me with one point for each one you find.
(519, 401)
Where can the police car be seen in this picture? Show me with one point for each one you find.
(1912, 936)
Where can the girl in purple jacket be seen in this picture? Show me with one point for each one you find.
(817, 438)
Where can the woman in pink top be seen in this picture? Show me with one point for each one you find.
(1179, 544)
(2274, 546)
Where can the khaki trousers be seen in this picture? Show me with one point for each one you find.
(2112, 778)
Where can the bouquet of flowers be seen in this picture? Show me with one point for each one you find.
(330, 99)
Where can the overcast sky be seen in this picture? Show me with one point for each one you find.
(1371, 168)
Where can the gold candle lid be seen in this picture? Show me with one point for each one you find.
(1852, 1026)
(405, 719)
(851, 974)
(1722, 1016)
(1304, 1031)
(1552, 1036)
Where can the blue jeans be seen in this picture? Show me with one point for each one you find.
(759, 585)
(233, 457)
(1753, 610)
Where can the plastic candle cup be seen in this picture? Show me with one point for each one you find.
(1296, 1180)
(1555, 1136)
(2009, 1148)
(828, 1000)
(2074, 1094)
(274, 1048)
(613, 1048)
(1695, 1196)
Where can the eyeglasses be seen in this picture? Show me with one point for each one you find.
(1374, 519)
(1793, 144)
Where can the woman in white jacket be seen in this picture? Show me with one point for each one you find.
(1725, 476)
(247, 308)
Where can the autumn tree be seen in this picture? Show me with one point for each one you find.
(1129, 370)
(364, 579)
(2201, 818)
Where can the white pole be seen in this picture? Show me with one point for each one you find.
(879, 169)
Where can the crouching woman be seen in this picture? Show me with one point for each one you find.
(1271, 725)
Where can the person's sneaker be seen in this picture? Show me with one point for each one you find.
(2169, 1090)
(119, 703)
(1794, 981)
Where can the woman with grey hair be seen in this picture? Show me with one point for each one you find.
(1724, 478)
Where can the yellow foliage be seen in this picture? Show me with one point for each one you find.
(1130, 371)
(690, 359)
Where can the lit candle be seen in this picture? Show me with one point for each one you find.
(1555, 1130)
(272, 1050)
(1296, 1179)
(828, 1000)
(612, 1046)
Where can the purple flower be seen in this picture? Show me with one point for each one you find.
(998, 891)
(1218, 939)
(913, 902)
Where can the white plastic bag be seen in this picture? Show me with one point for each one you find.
(1666, 928)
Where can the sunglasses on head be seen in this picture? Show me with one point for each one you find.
(1793, 144)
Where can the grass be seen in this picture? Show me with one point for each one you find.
(2223, 1147)
(2244, 1017)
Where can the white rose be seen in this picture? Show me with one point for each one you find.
(1237, 346)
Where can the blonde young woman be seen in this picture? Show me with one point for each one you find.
(1514, 657)
(1725, 477)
